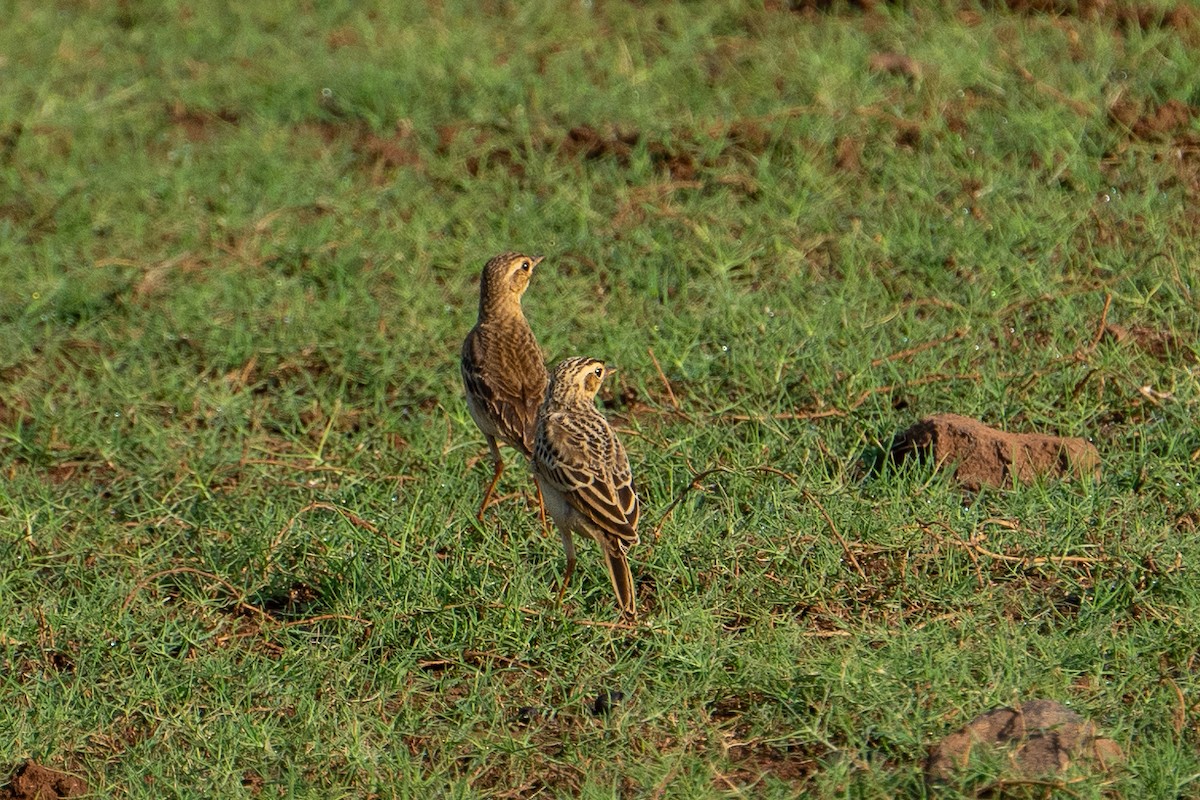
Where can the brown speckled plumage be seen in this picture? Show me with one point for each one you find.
(503, 369)
(584, 473)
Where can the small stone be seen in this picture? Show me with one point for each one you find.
(526, 715)
(606, 701)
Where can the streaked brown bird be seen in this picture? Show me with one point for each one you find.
(503, 370)
(584, 473)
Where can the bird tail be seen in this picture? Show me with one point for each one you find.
(622, 579)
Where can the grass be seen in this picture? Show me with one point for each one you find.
(240, 250)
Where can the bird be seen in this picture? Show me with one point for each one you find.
(503, 369)
(584, 476)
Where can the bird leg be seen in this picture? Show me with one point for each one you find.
(569, 546)
(541, 508)
(498, 467)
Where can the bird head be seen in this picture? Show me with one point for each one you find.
(506, 277)
(578, 379)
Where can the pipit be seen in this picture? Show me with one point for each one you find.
(503, 369)
(584, 473)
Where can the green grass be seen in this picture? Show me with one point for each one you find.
(240, 249)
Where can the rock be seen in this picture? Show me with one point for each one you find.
(1040, 738)
(984, 456)
(527, 715)
(606, 701)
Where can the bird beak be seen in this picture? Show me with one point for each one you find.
(609, 370)
(537, 259)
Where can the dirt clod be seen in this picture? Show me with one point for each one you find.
(1040, 737)
(32, 781)
(849, 155)
(896, 64)
(253, 782)
(986, 456)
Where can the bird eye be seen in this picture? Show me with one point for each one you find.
(599, 372)
(525, 266)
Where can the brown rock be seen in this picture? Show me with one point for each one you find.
(1039, 738)
(988, 457)
(32, 781)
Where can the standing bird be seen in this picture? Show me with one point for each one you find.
(503, 369)
(584, 475)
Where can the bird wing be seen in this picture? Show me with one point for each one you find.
(509, 396)
(583, 459)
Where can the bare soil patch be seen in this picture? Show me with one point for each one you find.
(1160, 343)
(1126, 16)
(678, 155)
(1153, 123)
(200, 126)
(985, 456)
(32, 781)
(379, 154)
(754, 760)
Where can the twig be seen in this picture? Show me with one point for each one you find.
(192, 571)
(1179, 718)
(470, 656)
(927, 379)
(788, 415)
(740, 788)
(241, 603)
(619, 626)
(322, 617)
(666, 383)
(349, 516)
(912, 351)
(833, 529)
(1080, 108)
(787, 476)
(591, 623)
(679, 497)
(999, 786)
(1103, 321)
(1028, 561)
(931, 620)
(275, 462)
(1047, 297)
